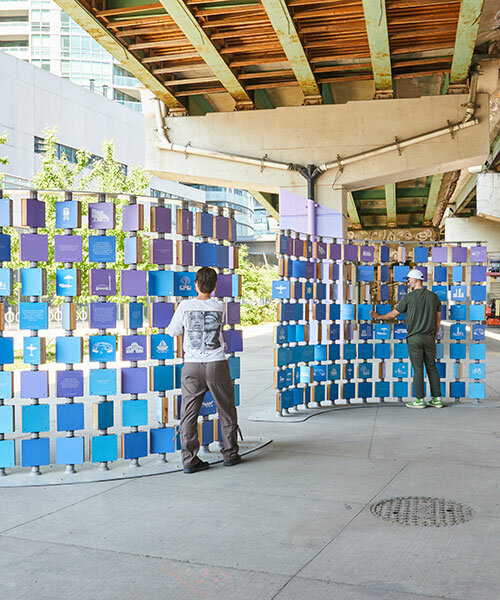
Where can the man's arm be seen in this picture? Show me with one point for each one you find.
(176, 324)
(438, 322)
(390, 315)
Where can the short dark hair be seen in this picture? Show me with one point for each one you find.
(206, 278)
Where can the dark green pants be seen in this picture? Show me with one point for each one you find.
(422, 350)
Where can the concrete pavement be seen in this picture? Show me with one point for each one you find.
(291, 522)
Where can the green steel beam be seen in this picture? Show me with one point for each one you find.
(371, 194)
(390, 204)
(445, 84)
(262, 100)
(407, 210)
(378, 40)
(352, 211)
(433, 197)
(266, 200)
(194, 32)
(199, 105)
(465, 41)
(327, 93)
(282, 22)
(93, 27)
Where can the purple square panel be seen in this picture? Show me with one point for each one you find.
(161, 252)
(335, 251)
(366, 253)
(184, 222)
(478, 254)
(101, 215)
(134, 380)
(439, 254)
(102, 315)
(161, 219)
(68, 248)
(162, 313)
(134, 283)
(232, 313)
(477, 273)
(350, 252)
(221, 227)
(69, 384)
(185, 255)
(233, 340)
(298, 247)
(33, 212)
(34, 247)
(102, 282)
(132, 217)
(459, 254)
(224, 285)
(34, 384)
(134, 347)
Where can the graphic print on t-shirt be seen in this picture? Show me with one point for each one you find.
(203, 329)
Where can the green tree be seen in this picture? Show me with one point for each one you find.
(256, 283)
(3, 160)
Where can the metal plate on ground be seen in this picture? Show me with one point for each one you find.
(120, 469)
(423, 511)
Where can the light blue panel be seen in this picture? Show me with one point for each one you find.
(441, 292)
(366, 272)
(458, 312)
(69, 349)
(477, 391)
(134, 413)
(456, 370)
(458, 293)
(5, 281)
(477, 312)
(401, 351)
(32, 282)
(281, 289)
(458, 274)
(383, 351)
(102, 348)
(320, 352)
(32, 350)
(237, 394)
(162, 378)
(67, 214)
(6, 390)
(439, 351)
(400, 369)
(478, 293)
(457, 351)
(400, 389)
(382, 389)
(477, 351)
(33, 315)
(161, 283)
(35, 452)
(6, 350)
(364, 312)
(102, 382)
(382, 331)
(104, 448)
(7, 453)
(66, 282)
(162, 440)
(300, 333)
(303, 374)
(70, 451)
(348, 312)
(35, 417)
(6, 419)
(161, 346)
(400, 272)
(477, 371)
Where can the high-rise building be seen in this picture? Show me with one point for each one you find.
(39, 32)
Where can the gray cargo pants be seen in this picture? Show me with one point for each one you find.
(197, 379)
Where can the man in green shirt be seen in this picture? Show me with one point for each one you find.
(423, 320)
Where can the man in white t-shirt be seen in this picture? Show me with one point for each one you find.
(205, 369)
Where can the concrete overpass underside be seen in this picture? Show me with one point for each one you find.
(314, 83)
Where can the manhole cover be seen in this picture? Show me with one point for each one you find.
(425, 512)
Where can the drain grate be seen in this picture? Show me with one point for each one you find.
(423, 512)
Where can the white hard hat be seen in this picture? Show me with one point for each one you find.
(415, 274)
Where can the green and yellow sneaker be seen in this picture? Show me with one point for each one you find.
(418, 403)
(436, 403)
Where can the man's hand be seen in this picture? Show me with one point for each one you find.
(375, 315)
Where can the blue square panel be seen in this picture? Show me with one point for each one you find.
(400, 331)
(458, 312)
(102, 382)
(235, 367)
(35, 417)
(33, 315)
(5, 282)
(400, 389)
(103, 448)
(135, 445)
(458, 332)
(349, 351)
(365, 331)
(457, 274)
(441, 292)
(318, 393)
(348, 312)
(102, 248)
(33, 350)
(69, 349)
(478, 332)
(334, 311)
(457, 389)
(134, 413)
(162, 378)
(6, 350)
(383, 309)
(384, 293)
(162, 440)
(458, 293)
(35, 452)
(7, 453)
(102, 348)
(6, 384)
(70, 417)
(33, 282)
(103, 415)
(68, 282)
(401, 351)
(384, 273)
(477, 312)
(364, 312)
(365, 351)
(383, 351)
(365, 389)
(400, 369)
(478, 293)
(319, 373)
(281, 289)
(333, 372)
(440, 274)
(334, 352)
(320, 352)
(6, 419)
(333, 392)
(319, 311)
(161, 283)
(334, 331)
(348, 370)
(348, 391)
(382, 331)
(477, 391)
(477, 351)
(70, 451)
(366, 273)
(457, 351)
(365, 370)
(439, 351)
(5, 246)
(162, 346)
(477, 371)
(183, 284)
(421, 254)
(68, 214)
(382, 389)
(401, 272)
